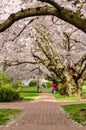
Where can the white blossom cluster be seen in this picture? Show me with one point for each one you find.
(14, 48)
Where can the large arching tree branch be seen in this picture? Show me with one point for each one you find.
(80, 68)
(58, 11)
(7, 64)
(78, 65)
(30, 12)
(81, 74)
(14, 63)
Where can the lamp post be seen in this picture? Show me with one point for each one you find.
(38, 87)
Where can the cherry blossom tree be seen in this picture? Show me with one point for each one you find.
(69, 78)
(70, 11)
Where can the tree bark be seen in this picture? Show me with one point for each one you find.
(69, 79)
(79, 88)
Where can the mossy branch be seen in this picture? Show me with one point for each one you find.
(30, 12)
(58, 11)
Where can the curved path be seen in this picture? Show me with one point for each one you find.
(42, 114)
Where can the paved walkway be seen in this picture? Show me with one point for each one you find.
(42, 114)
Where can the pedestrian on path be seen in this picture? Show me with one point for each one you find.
(53, 86)
(44, 86)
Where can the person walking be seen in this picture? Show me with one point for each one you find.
(53, 86)
(44, 86)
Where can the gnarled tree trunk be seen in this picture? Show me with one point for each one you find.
(69, 79)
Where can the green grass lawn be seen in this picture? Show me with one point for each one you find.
(77, 112)
(8, 114)
(29, 93)
(64, 98)
(84, 90)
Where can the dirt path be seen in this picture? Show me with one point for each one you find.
(42, 114)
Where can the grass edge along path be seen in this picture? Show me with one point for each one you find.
(7, 115)
(77, 112)
(64, 98)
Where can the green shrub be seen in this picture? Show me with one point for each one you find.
(32, 83)
(18, 86)
(8, 91)
(8, 94)
(4, 78)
